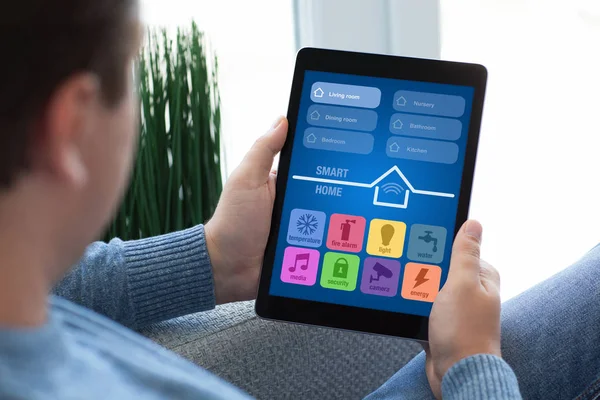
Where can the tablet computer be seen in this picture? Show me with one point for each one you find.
(374, 181)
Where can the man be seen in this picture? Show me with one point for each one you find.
(67, 138)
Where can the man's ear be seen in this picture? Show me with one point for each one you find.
(69, 117)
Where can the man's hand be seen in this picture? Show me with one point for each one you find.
(237, 234)
(465, 319)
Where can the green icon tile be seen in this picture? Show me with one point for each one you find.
(340, 271)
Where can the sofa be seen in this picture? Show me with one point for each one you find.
(275, 360)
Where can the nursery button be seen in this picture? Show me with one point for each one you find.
(429, 103)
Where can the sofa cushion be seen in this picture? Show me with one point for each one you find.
(275, 360)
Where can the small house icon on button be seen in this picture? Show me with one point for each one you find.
(397, 124)
(311, 138)
(319, 93)
(401, 101)
(315, 115)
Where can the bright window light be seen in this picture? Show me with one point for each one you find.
(254, 41)
(536, 187)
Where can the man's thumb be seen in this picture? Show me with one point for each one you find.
(465, 260)
(258, 162)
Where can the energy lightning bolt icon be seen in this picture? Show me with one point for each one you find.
(420, 279)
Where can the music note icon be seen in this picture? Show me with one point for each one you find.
(304, 257)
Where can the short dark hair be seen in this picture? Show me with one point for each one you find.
(42, 44)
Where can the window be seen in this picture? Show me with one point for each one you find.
(536, 187)
(254, 41)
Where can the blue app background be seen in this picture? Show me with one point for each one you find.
(422, 209)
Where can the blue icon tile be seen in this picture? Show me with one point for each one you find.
(306, 228)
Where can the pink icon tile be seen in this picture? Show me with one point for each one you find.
(346, 233)
(300, 266)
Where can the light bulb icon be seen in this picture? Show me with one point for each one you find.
(387, 233)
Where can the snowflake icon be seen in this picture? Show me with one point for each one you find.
(307, 224)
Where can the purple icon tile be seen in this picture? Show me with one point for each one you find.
(380, 277)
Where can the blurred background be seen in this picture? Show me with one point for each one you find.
(536, 186)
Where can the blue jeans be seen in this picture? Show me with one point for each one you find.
(550, 337)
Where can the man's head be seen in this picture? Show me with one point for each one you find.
(68, 121)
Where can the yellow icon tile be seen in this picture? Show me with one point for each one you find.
(386, 238)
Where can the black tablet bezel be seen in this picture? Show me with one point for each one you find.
(347, 317)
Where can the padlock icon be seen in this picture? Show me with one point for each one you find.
(340, 268)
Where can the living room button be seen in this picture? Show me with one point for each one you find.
(345, 95)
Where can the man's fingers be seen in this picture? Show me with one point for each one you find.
(490, 277)
(258, 163)
(465, 262)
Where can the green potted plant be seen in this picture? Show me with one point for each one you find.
(177, 179)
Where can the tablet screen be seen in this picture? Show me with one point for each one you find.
(372, 194)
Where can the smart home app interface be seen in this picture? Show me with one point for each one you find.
(372, 193)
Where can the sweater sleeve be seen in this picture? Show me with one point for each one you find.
(141, 282)
(482, 376)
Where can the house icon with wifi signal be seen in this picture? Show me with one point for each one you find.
(396, 189)
(392, 189)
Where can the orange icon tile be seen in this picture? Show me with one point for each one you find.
(421, 282)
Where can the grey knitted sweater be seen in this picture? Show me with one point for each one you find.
(79, 354)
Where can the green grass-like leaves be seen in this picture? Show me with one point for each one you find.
(177, 178)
